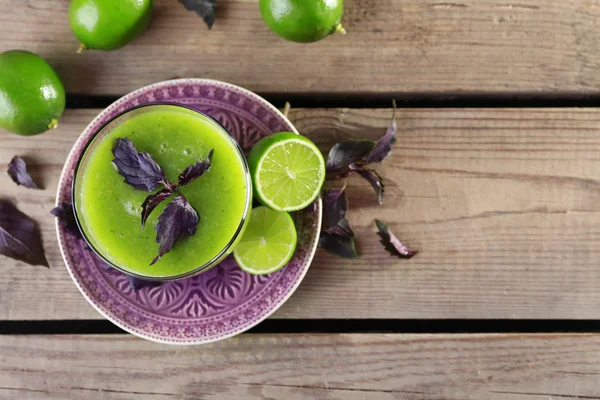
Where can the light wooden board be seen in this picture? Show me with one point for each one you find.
(395, 46)
(332, 367)
(503, 203)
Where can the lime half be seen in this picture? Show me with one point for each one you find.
(288, 171)
(268, 242)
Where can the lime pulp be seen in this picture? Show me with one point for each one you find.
(287, 170)
(268, 243)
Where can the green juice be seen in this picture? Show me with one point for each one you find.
(109, 210)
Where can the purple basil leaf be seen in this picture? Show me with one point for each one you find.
(335, 207)
(20, 237)
(204, 8)
(383, 148)
(374, 179)
(179, 219)
(137, 284)
(66, 217)
(343, 228)
(138, 169)
(342, 246)
(391, 242)
(343, 154)
(17, 170)
(195, 170)
(152, 201)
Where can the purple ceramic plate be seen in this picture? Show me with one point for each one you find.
(219, 303)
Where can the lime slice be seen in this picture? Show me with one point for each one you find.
(288, 171)
(268, 242)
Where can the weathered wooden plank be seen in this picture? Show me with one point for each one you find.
(391, 46)
(503, 203)
(345, 367)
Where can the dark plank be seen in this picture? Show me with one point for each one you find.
(503, 203)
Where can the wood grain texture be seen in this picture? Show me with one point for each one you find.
(503, 203)
(332, 367)
(394, 46)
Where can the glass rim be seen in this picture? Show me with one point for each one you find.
(204, 267)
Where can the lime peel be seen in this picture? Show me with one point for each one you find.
(53, 124)
(339, 29)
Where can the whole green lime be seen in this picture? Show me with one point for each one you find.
(303, 20)
(32, 97)
(108, 24)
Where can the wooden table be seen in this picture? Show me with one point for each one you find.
(500, 191)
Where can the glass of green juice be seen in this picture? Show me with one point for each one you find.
(108, 210)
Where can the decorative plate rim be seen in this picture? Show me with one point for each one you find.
(62, 245)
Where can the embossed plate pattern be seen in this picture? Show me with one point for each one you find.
(224, 301)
